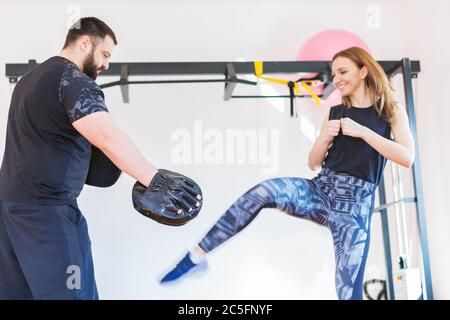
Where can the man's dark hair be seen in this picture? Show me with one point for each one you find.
(89, 26)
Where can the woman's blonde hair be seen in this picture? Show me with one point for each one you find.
(377, 84)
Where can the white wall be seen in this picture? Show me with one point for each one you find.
(277, 256)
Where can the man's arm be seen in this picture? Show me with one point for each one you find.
(100, 129)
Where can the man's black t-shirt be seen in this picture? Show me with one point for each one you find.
(46, 160)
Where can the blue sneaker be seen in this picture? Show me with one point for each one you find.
(184, 268)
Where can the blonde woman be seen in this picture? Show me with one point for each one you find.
(352, 149)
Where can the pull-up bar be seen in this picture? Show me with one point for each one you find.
(230, 71)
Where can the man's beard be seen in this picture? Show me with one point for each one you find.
(89, 67)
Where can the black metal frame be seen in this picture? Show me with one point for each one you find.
(386, 241)
(231, 70)
(405, 68)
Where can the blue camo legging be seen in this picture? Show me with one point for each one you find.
(339, 201)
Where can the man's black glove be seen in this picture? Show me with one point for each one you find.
(170, 198)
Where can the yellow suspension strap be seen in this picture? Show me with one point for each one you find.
(293, 86)
(311, 92)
